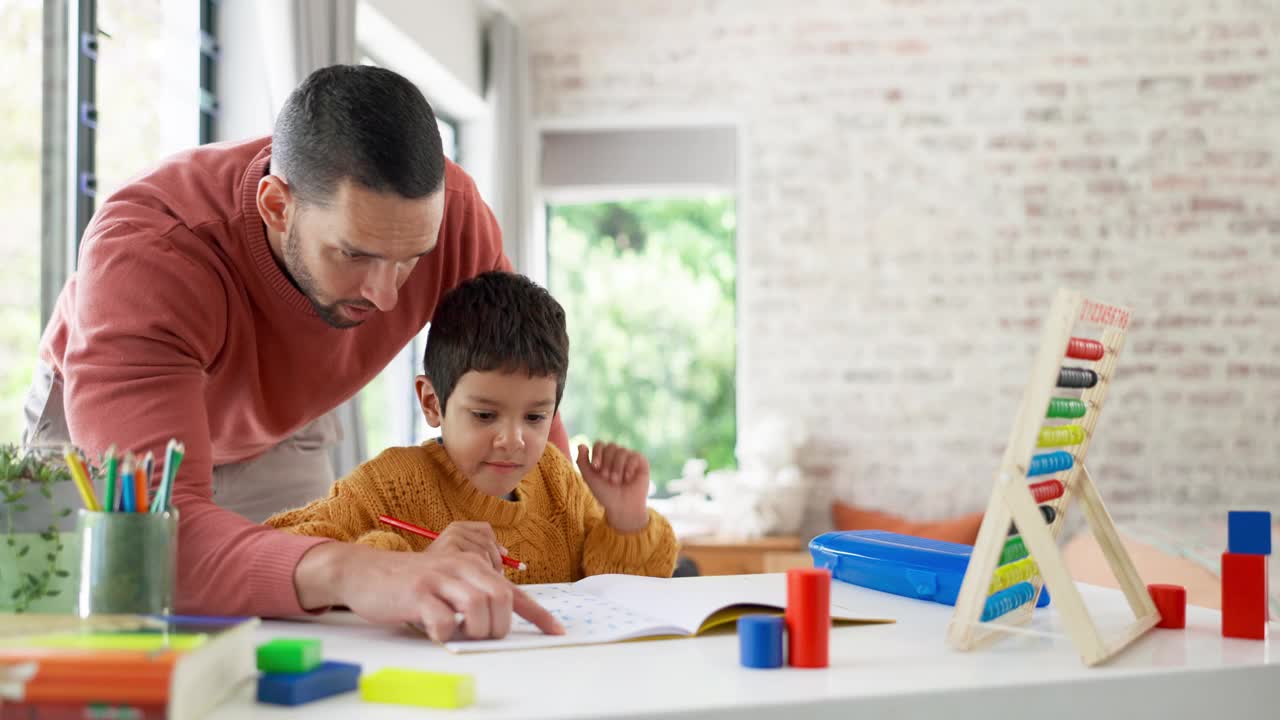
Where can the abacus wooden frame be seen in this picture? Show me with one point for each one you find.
(1012, 500)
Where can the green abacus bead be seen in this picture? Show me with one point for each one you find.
(1066, 408)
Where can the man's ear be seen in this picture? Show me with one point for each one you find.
(429, 401)
(275, 202)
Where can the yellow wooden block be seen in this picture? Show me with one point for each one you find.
(400, 686)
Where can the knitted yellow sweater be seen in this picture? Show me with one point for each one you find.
(555, 526)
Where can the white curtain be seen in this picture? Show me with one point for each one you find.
(507, 93)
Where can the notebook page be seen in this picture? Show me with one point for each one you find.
(685, 602)
(587, 619)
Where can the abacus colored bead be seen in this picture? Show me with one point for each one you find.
(1014, 550)
(1060, 436)
(1085, 349)
(1046, 511)
(1050, 462)
(1007, 600)
(1046, 490)
(1069, 377)
(1068, 408)
(1012, 574)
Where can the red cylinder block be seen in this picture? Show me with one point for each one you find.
(808, 616)
(1171, 601)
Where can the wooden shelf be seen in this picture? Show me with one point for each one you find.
(738, 556)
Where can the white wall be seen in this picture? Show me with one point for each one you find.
(923, 175)
(447, 29)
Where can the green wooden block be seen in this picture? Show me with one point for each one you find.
(399, 686)
(289, 655)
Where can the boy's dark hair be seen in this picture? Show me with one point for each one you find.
(496, 321)
(359, 122)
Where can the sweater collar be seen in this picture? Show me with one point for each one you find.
(498, 512)
(256, 233)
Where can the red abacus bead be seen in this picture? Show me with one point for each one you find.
(1046, 491)
(1171, 601)
(1084, 349)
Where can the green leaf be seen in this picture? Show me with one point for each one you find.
(64, 512)
(52, 593)
(46, 491)
(21, 507)
(23, 552)
(62, 573)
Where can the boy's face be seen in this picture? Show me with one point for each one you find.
(495, 427)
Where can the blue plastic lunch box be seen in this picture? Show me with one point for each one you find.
(900, 564)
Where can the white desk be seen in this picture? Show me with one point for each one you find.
(900, 670)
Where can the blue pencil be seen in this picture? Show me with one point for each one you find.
(128, 502)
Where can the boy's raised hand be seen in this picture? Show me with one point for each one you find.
(619, 478)
(470, 536)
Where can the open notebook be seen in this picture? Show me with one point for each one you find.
(609, 608)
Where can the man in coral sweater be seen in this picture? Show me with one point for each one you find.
(232, 298)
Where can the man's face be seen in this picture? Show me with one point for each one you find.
(351, 255)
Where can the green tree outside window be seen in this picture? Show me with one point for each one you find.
(649, 288)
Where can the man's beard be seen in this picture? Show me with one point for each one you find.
(306, 284)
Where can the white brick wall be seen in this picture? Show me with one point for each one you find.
(924, 173)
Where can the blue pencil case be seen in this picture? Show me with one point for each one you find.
(900, 564)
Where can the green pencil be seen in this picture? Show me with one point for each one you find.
(173, 453)
(109, 492)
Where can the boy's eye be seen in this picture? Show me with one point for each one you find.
(482, 416)
(535, 418)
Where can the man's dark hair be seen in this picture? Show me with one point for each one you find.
(496, 321)
(359, 122)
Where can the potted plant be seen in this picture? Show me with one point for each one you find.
(37, 500)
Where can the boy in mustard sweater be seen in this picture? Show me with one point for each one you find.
(494, 371)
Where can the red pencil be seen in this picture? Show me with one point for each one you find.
(432, 535)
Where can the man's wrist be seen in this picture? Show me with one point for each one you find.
(317, 579)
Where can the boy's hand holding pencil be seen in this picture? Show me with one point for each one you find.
(619, 478)
(462, 536)
(470, 536)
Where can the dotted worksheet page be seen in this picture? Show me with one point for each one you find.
(587, 619)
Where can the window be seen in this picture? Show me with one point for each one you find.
(140, 87)
(649, 290)
(20, 86)
(148, 96)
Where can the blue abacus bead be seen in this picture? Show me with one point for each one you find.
(760, 640)
(1249, 532)
(1050, 462)
(1007, 600)
(329, 678)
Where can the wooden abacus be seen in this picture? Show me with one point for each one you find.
(1011, 564)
